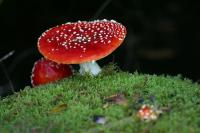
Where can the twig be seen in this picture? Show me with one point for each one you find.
(7, 56)
(1, 1)
(5, 70)
(101, 8)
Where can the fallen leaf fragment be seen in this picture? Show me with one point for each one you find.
(119, 99)
(58, 108)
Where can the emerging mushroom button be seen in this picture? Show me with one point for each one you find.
(82, 43)
(45, 71)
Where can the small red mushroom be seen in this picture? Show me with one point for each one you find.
(148, 113)
(82, 43)
(45, 71)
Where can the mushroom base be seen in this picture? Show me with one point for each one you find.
(90, 67)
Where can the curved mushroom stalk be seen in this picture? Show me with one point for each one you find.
(90, 67)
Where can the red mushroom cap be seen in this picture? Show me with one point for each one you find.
(79, 42)
(45, 71)
(147, 113)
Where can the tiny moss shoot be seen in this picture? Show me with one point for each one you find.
(70, 105)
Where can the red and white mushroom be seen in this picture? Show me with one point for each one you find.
(148, 113)
(45, 71)
(82, 43)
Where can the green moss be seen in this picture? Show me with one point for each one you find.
(34, 109)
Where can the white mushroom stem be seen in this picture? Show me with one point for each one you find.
(90, 67)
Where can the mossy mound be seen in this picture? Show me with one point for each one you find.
(69, 105)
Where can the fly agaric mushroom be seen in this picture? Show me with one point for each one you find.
(45, 71)
(82, 43)
(148, 113)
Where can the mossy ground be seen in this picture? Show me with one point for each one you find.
(38, 109)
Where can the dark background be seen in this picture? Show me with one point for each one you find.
(163, 36)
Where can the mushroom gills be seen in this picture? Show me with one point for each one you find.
(90, 67)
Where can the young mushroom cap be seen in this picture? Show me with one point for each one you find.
(45, 71)
(147, 113)
(80, 42)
